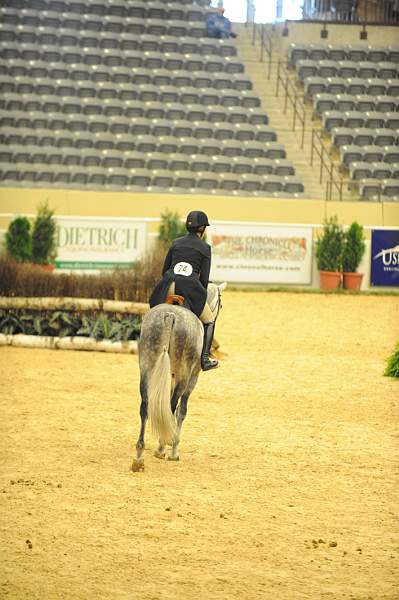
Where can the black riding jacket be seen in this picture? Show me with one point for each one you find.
(187, 263)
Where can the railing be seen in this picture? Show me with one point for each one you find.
(352, 11)
(291, 96)
(259, 32)
(335, 180)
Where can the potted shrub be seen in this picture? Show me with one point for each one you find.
(329, 247)
(171, 227)
(43, 237)
(352, 254)
(18, 240)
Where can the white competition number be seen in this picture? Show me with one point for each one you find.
(183, 268)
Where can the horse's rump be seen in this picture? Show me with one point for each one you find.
(179, 330)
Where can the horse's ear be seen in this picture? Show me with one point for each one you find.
(222, 286)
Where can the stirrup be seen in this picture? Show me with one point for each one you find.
(208, 363)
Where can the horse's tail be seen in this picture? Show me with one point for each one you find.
(159, 391)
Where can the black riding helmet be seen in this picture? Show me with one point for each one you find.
(196, 219)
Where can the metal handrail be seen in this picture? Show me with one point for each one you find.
(266, 44)
(291, 95)
(335, 179)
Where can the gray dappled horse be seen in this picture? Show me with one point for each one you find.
(170, 348)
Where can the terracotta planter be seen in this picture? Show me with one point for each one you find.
(330, 280)
(352, 281)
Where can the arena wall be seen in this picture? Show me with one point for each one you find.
(219, 208)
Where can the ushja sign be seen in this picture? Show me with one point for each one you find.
(99, 243)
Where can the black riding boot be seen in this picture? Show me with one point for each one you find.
(208, 363)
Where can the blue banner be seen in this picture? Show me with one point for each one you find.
(385, 257)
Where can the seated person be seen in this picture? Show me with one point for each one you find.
(219, 26)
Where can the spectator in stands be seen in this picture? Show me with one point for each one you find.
(219, 26)
(185, 276)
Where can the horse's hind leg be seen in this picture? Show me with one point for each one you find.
(160, 451)
(138, 462)
(180, 416)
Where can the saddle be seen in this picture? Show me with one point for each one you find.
(175, 299)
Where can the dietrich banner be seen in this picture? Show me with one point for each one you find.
(385, 257)
(97, 243)
(261, 254)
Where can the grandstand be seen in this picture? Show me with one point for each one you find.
(116, 94)
(125, 107)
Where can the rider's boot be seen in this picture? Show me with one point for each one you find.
(207, 362)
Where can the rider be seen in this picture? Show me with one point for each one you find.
(186, 272)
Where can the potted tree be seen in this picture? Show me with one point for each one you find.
(43, 237)
(329, 254)
(18, 240)
(352, 254)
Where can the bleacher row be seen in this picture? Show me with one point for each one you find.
(355, 93)
(348, 52)
(141, 180)
(120, 8)
(346, 68)
(156, 91)
(124, 42)
(350, 85)
(139, 126)
(109, 107)
(346, 102)
(126, 100)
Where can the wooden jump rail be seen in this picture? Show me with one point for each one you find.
(71, 304)
(75, 304)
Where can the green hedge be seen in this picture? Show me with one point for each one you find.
(98, 325)
(392, 369)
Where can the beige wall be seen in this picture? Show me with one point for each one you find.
(220, 208)
(309, 33)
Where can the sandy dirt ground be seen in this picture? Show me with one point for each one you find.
(287, 487)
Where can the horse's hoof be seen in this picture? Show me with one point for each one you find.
(174, 458)
(137, 465)
(160, 455)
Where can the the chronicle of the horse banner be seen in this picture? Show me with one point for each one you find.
(169, 349)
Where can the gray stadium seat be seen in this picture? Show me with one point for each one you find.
(229, 182)
(384, 137)
(297, 52)
(314, 85)
(360, 170)
(342, 136)
(354, 118)
(293, 185)
(347, 68)
(380, 170)
(199, 163)
(350, 154)
(391, 154)
(356, 85)
(363, 136)
(391, 188)
(372, 153)
(323, 102)
(370, 189)
(374, 119)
